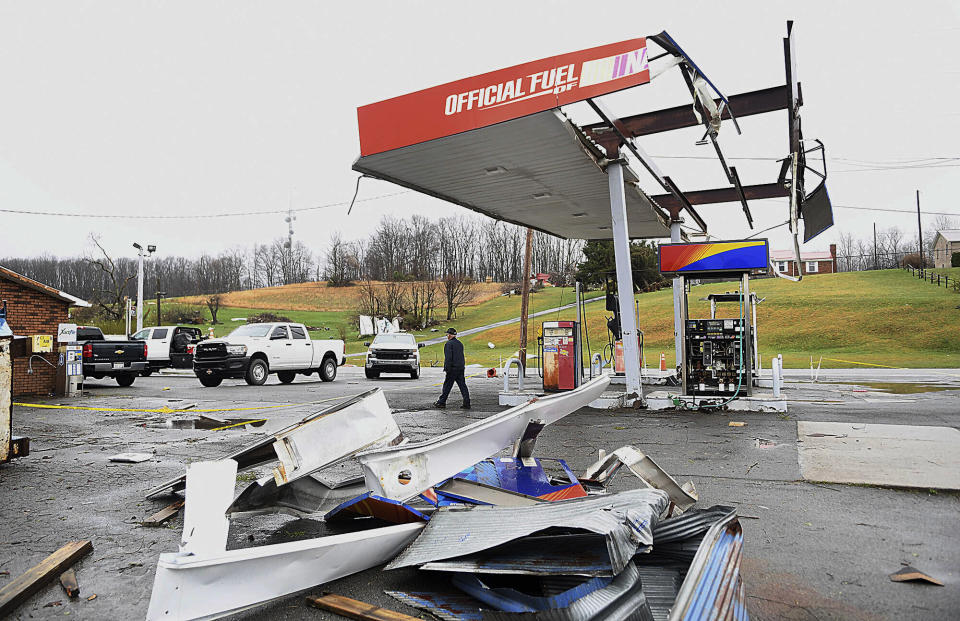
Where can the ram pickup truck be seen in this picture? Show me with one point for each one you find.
(121, 360)
(255, 350)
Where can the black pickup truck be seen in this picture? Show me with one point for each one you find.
(121, 360)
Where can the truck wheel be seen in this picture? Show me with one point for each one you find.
(328, 370)
(147, 372)
(415, 374)
(286, 376)
(210, 381)
(371, 374)
(257, 372)
(126, 379)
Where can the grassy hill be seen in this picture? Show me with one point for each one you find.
(881, 317)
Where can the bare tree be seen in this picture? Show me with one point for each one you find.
(213, 303)
(457, 290)
(110, 299)
(337, 269)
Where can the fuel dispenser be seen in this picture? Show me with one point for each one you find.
(560, 353)
(69, 370)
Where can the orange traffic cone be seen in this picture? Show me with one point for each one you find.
(663, 362)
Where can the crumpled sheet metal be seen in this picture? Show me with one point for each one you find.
(300, 498)
(210, 586)
(621, 600)
(624, 519)
(647, 470)
(358, 424)
(371, 505)
(713, 588)
(264, 450)
(511, 600)
(581, 554)
(690, 524)
(403, 472)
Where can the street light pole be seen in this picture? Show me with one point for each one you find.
(150, 250)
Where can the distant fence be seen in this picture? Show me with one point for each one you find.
(940, 280)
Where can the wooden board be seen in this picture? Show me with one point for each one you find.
(22, 587)
(161, 516)
(353, 609)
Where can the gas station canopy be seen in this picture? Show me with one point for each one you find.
(538, 171)
(497, 144)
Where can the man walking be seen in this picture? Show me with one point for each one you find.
(454, 366)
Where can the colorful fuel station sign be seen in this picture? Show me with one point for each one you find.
(502, 95)
(725, 256)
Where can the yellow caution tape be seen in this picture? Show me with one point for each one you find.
(245, 422)
(868, 364)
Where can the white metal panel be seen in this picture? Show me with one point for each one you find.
(209, 586)
(209, 493)
(361, 425)
(400, 473)
(537, 171)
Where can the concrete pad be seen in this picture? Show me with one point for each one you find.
(893, 455)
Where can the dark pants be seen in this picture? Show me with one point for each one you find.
(456, 375)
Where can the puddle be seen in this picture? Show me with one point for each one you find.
(901, 388)
(204, 422)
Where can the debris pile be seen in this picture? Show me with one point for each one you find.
(502, 537)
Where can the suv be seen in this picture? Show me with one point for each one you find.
(255, 350)
(396, 352)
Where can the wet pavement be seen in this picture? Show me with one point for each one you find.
(812, 551)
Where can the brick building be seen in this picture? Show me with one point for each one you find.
(812, 262)
(34, 308)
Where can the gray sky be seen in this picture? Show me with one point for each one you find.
(210, 107)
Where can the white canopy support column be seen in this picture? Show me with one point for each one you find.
(621, 246)
(678, 302)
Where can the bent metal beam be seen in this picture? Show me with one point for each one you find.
(403, 472)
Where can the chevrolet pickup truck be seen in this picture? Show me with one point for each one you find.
(255, 350)
(169, 346)
(121, 360)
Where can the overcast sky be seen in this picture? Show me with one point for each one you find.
(200, 107)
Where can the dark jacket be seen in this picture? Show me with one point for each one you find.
(453, 356)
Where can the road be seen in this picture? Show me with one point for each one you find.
(490, 326)
(811, 551)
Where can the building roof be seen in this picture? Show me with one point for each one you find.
(812, 255)
(951, 235)
(29, 283)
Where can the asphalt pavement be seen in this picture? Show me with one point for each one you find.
(812, 550)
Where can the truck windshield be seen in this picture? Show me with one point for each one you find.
(402, 339)
(252, 329)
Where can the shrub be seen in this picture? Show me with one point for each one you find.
(181, 313)
(267, 318)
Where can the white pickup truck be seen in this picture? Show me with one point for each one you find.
(255, 350)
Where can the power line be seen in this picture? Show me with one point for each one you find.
(192, 216)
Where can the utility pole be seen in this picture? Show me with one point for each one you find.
(919, 232)
(876, 262)
(160, 294)
(525, 300)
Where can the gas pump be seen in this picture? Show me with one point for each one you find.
(561, 355)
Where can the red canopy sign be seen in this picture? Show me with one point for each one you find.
(501, 95)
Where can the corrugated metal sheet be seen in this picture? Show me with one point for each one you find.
(622, 600)
(689, 524)
(554, 555)
(625, 519)
(713, 588)
(534, 171)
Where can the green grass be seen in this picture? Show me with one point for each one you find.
(952, 272)
(883, 317)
